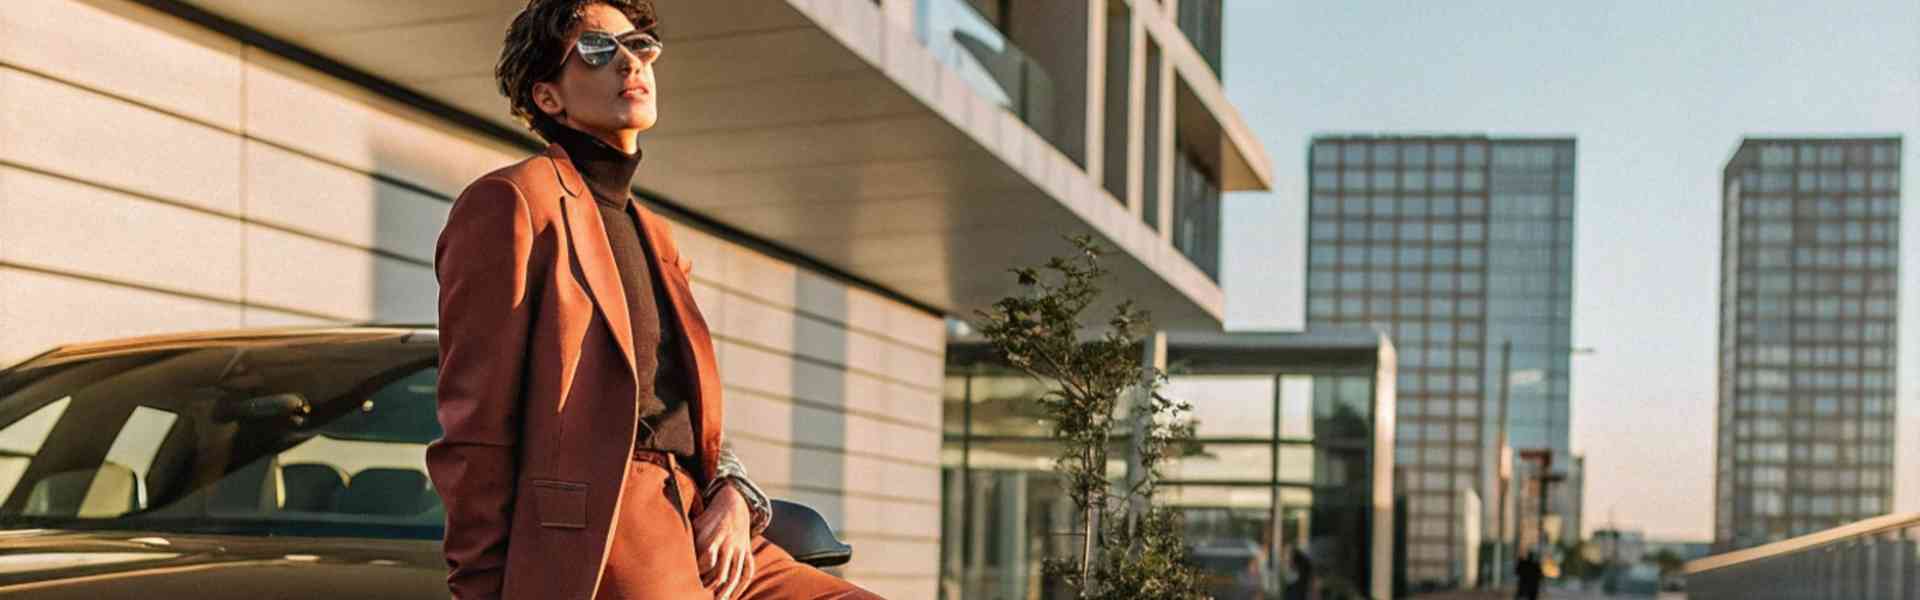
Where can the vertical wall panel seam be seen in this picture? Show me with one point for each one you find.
(245, 215)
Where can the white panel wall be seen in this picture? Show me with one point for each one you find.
(175, 164)
(834, 400)
(175, 180)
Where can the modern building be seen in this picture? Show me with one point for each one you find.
(845, 175)
(1809, 322)
(1296, 436)
(1462, 247)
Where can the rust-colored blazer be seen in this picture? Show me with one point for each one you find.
(537, 381)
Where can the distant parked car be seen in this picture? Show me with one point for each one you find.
(1236, 570)
(274, 463)
(1676, 582)
(1639, 579)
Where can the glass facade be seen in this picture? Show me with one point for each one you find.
(1809, 290)
(1287, 463)
(1455, 245)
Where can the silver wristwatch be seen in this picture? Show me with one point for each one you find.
(731, 472)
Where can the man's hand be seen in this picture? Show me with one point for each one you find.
(723, 543)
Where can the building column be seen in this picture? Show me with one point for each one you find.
(1168, 146)
(1010, 498)
(1096, 144)
(976, 561)
(1153, 358)
(1136, 110)
(953, 530)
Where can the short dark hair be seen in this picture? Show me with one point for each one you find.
(536, 46)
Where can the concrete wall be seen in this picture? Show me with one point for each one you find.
(176, 179)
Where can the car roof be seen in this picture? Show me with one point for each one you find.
(245, 336)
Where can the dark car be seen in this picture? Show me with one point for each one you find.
(271, 463)
(1235, 570)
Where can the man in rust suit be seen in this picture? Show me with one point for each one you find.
(583, 455)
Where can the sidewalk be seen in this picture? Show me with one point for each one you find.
(1493, 594)
(1546, 594)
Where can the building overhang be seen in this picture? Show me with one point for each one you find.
(1207, 121)
(816, 126)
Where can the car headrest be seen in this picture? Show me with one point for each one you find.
(385, 491)
(311, 486)
(108, 491)
(246, 491)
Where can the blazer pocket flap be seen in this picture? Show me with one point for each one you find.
(560, 503)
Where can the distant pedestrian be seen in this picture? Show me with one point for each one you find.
(1302, 586)
(1528, 570)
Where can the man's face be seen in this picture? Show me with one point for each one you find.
(619, 95)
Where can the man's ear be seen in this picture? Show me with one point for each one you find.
(546, 96)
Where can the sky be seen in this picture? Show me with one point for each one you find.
(1658, 94)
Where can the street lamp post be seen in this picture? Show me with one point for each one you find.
(1504, 481)
(1547, 478)
(1500, 509)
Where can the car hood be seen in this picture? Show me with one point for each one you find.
(106, 565)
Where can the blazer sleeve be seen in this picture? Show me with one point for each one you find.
(486, 306)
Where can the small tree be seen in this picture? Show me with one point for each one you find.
(1130, 548)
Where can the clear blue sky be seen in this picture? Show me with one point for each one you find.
(1658, 93)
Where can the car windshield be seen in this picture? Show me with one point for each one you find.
(295, 436)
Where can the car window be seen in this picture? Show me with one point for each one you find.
(116, 486)
(20, 440)
(297, 437)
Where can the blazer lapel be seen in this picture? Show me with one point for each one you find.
(594, 253)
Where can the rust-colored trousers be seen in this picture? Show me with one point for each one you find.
(653, 558)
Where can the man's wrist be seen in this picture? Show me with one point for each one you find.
(731, 472)
(759, 506)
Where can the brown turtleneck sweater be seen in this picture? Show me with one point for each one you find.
(664, 420)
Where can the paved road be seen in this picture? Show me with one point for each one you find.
(1548, 594)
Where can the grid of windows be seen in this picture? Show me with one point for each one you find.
(1450, 244)
(1808, 321)
(1530, 286)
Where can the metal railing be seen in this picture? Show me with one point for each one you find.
(961, 37)
(1872, 559)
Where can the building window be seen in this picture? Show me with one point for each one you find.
(1196, 214)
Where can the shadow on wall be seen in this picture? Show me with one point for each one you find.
(412, 194)
(819, 474)
(410, 218)
(342, 227)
